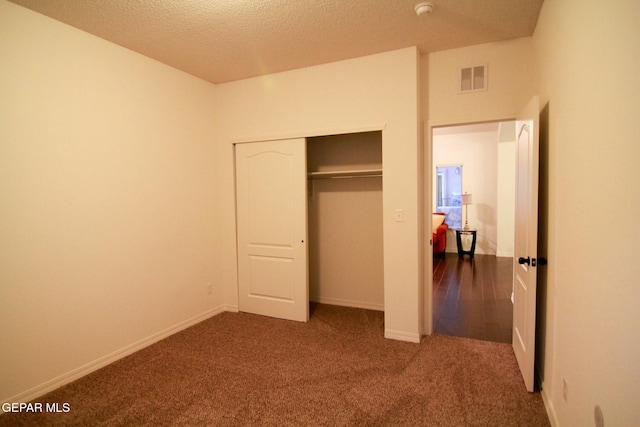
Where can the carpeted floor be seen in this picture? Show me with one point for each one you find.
(337, 369)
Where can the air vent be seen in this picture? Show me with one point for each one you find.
(473, 79)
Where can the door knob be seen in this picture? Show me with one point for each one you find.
(533, 261)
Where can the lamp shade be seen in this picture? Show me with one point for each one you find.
(466, 199)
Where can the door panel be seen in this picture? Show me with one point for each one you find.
(271, 277)
(271, 198)
(526, 241)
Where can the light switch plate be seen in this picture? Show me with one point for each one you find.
(399, 215)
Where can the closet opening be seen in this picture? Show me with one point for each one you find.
(345, 220)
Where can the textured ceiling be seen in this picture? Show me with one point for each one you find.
(226, 40)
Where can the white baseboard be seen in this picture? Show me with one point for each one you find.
(347, 303)
(231, 308)
(101, 362)
(548, 406)
(402, 336)
(505, 254)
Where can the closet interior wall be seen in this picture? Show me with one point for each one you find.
(345, 220)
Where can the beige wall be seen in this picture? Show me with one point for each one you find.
(477, 152)
(510, 82)
(506, 189)
(106, 183)
(346, 263)
(587, 60)
(378, 92)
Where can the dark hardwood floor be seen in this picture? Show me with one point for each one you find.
(473, 298)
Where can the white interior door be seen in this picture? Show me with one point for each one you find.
(271, 197)
(526, 240)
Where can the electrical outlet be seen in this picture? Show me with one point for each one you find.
(209, 288)
(565, 390)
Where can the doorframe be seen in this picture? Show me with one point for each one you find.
(427, 318)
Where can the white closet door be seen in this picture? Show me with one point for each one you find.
(271, 197)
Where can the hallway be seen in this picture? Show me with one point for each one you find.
(473, 299)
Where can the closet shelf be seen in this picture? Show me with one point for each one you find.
(358, 173)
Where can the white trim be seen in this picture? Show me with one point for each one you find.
(504, 254)
(347, 303)
(103, 361)
(309, 134)
(230, 307)
(548, 406)
(469, 120)
(402, 336)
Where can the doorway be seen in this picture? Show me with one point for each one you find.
(472, 298)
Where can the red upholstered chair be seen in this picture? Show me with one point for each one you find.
(439, 228)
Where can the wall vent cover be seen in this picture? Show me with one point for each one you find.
(473, 78)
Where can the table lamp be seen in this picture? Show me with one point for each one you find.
(466, 200)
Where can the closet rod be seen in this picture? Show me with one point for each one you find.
(366, 173)
(346, 176)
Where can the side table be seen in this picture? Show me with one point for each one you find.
(473, 233)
